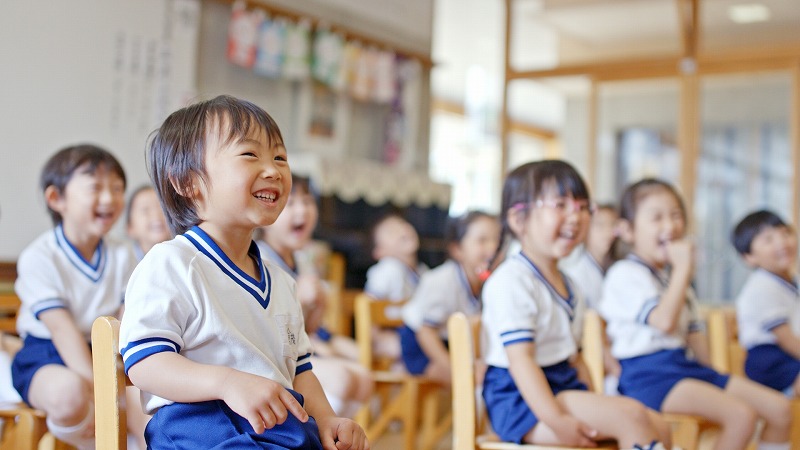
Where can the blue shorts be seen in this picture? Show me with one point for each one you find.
(213, 425)
(510, 416)
(769, 365)
(34, 354)
(649, 378)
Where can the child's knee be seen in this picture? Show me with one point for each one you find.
(740, 416)
(780, 414)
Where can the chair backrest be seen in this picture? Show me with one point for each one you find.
(109, 385)
(9, 307)
(726, 354)
(370, 312)
(594, 330)
(463, 352)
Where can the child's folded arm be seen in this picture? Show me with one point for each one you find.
(787, 340)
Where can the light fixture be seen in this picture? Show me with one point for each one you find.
(749, 13)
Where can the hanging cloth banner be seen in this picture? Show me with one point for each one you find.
(242, 35)
(328, 55)
(271, 45)
(297, 56)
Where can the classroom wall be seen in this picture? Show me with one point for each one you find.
(109, 71)
(99, 71)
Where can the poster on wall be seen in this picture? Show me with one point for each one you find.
(324, 119)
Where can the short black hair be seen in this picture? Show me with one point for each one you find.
(754, 223)
(61, 167)
(177, 150)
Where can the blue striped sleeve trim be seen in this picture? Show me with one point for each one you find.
(774, 323)
(647, 308)
(302, 368)
(431, 323)
(139, 350)
(48, 309)
(512, 337)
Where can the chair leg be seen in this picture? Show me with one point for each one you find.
(437, 416)
(794, 436)
(410, 416)
(685, 434)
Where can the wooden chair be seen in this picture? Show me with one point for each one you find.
(109, 385)
(24, 428)
(464, 344)
(400, 392)
(686, 428)
(727, 356)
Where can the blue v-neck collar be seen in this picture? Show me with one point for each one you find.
(259, 289)
(91, 269)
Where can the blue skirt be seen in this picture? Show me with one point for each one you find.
(769, 365)
(649, 378)
(34, 354)
(213, 425)
(510, 416)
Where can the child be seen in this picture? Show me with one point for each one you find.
(532, 319)
(596, 255)
(147, 225)
(454, 286)
(212, 334)
(395, 246)
(68, 277)
(285, 242)
(589, 268)
(396, 275)
(768, 307)
(653, 320)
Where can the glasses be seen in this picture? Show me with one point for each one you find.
(562, 205)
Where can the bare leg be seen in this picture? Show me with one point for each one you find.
(736, 418)
(769, 404)
(621, 418)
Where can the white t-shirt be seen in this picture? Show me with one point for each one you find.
(587, 274)
(441, 292)
(52, 274)
(392, 279)
(631, 291)
(521, 306)
(765, 302)
(186, 296)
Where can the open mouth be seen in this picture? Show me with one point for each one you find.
(266, 196)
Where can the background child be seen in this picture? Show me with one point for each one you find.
(532, 320)
(454, 286)
(653, 319)
(588, 268)
(207, 310)
(597, 254)
(146, 224)
(285, 243)
(395, 276)
(68, 277)
(768, 306)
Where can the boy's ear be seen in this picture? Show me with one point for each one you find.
(625, 230)
(749, 259)
(190, 191)
(53, 198)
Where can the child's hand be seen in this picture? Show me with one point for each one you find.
(338, 433)
(681, 253)
(574, 433)
(263, 402)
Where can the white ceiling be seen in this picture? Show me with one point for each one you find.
(469, 33)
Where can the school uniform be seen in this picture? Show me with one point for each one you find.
(652, 361)
(52, 274)
(520, 305)
(588, 275)
(392, 279)
(441, 292)
(765, 302)
(187, 297)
